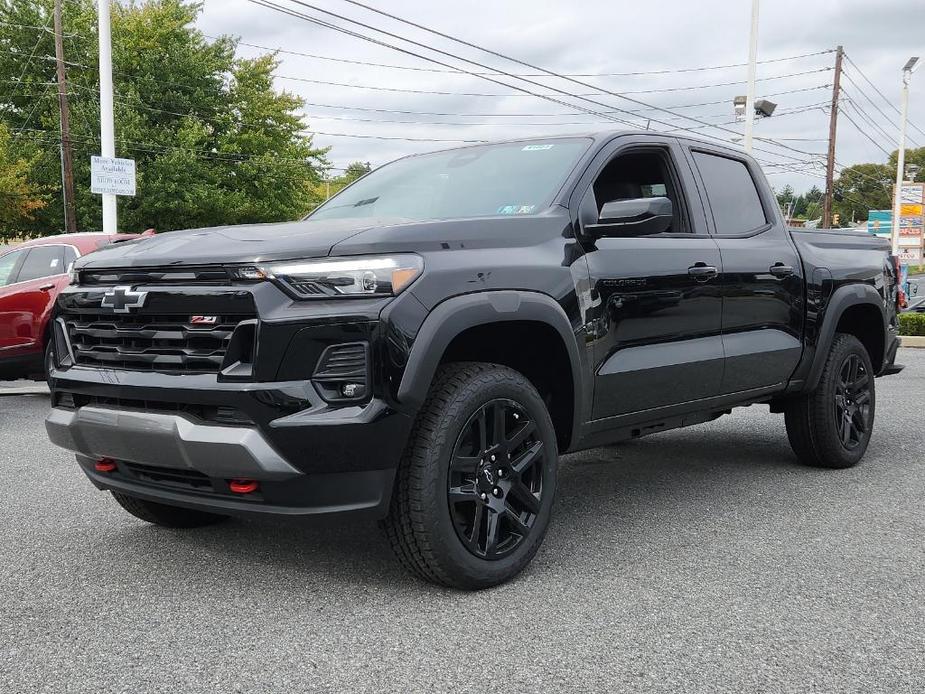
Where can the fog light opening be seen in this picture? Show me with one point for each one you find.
(105, 465)
(243, 486)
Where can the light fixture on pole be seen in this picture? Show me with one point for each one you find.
(911, 65)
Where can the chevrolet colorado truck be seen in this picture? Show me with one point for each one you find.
(425, 345)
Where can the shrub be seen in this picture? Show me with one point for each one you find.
(912, 323)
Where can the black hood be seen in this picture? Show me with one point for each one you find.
(233, 244)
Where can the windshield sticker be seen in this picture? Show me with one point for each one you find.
(516, 209)
(536, 148)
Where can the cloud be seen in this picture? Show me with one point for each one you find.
(596, 37)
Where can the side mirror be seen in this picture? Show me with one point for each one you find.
(633, 217)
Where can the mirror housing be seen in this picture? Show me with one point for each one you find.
(633, 217)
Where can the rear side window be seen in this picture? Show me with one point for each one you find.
(7, 265)
(42, 261)
(732, 193)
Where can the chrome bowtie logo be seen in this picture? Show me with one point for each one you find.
(123, 299)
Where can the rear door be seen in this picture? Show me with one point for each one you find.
(762, 278)
(656, 335)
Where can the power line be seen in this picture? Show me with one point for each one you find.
(661, 71)
(874, 86)
(880, 110)
(865, 133)
(868, 119)
(433, 92)
(343, 30)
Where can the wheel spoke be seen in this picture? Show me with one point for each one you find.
(474, 538)
(853, 363)
(521, 434)
(482, 422)
(862, 398)
(464, 463)
(845, 429)
(860, 382)
(491, 531)
(527, 458)
(513, 518)
(498, 424)
(859, 422)
(525, 497)
(465, 492)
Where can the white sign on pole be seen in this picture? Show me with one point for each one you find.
(912, 193)
(113, 176)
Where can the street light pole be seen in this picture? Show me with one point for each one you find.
(908, 69)
(107, 127)
(752, 70)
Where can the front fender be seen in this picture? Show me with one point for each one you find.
(453, 316)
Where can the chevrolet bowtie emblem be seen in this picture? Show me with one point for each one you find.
(123, 299)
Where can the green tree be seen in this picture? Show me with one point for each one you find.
(861, 188)
(214, 143)
(20, 200)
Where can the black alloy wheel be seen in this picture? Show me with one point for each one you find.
(831, 425)
(852, 402)
(495, 481)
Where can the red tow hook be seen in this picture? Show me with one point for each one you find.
(243, 486)
(105, 465)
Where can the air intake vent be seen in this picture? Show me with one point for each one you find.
(342, 374)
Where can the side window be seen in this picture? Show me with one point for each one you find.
(42, 261)
(733, 195)
(7, 265)
(641, 174)
(70, 255)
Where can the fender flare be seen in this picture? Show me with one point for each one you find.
(455, 315)
(842, 299)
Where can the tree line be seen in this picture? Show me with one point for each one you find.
(214, 142)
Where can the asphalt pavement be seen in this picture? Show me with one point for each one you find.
(703, 559)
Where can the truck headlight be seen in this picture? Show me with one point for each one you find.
(349, 276)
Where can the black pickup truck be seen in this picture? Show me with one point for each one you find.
(423, 346)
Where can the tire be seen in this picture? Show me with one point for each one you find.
(457, 518)
(164, 515)
(47, 363)
(831, 426)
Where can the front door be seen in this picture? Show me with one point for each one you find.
(657, 333)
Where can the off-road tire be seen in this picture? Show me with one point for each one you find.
(419, 526)
(812, 425)
(164, 515)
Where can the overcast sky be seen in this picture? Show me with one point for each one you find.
(596, 37)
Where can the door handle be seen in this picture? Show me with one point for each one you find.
(781, 270)
(46, 287)
(702, 272)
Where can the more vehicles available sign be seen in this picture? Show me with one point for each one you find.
(112, 176)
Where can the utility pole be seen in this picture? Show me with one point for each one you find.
(67, 161)
(908, 69)
(833, 125)
(107, 127)
(752, 70)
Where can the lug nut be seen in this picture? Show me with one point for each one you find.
(496, 491)
(493, 459)
(501, 472)
(483, 496)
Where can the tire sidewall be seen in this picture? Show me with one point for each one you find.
(844, 347)
(448, 548)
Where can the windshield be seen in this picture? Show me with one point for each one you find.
(516, 178)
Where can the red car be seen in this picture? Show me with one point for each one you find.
(31, 275)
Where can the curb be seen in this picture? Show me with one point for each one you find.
(913, 341)
(25, 390)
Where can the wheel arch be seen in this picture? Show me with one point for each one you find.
(857, 310)
(461, 328)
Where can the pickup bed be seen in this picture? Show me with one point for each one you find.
(424, 345)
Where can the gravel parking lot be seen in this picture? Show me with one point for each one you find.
(703, 559)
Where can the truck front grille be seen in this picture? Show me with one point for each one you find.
(151, 342)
